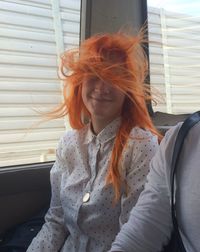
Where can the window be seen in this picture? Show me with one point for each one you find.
(174, 50)
(33, 34)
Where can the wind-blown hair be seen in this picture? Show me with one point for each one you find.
(120, 60)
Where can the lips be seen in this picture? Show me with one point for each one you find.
(99, 99)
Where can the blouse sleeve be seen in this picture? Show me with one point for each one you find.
(137, 169)
(149, 225)
(53, 232)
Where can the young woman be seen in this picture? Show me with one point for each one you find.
(101, 164)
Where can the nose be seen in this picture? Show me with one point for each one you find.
(101, 87)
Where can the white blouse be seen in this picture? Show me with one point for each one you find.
(82, 216)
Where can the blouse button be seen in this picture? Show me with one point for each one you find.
(86, 197)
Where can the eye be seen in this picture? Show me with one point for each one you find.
(92, 80)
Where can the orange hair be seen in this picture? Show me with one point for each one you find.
(120, 59)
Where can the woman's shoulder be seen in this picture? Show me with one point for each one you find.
(139, 134)
(66, 138)
(71, 138)
(142, 142)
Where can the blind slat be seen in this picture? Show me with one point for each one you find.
(174, 60)
(29, 77)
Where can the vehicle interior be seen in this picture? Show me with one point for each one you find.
(25, 188)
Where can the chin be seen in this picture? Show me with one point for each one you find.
(99, 115)
(98, 111)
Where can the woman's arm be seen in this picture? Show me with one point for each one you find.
(149, 225)
(53, 232)
(136, 167)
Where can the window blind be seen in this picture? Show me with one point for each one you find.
(30, 46)
(174, 60)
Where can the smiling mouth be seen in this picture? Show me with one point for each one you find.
(100, 99)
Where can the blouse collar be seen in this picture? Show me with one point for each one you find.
(106, 134)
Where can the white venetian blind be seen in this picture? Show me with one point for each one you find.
(32, 35)
(175, 60)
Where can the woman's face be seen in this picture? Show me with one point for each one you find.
(102, 100)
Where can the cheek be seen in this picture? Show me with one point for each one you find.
(120, 98)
